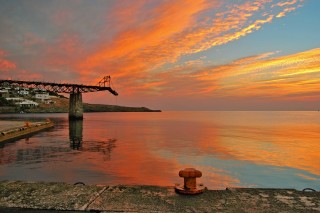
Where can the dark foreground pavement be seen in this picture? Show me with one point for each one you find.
(20, 210)
(43, 197)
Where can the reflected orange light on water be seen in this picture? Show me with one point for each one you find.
(244, 149)
(264, 142)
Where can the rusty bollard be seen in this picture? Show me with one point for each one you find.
(190, 184)
(26, 124)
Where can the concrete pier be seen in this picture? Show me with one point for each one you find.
(10, 130)
(62, 196)
(75, 106)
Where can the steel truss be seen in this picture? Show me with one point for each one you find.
(62, 87)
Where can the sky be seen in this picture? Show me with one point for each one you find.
(170, 54)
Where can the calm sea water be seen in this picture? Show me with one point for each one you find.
(242, 149)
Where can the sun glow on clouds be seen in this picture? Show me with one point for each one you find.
(169, 33)
(296, 74)
(5, 64)
(140, 45)
(8, 69)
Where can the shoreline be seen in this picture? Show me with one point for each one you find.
(64, 108)
(140, 198)
(16, 113)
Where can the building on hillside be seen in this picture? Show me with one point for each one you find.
(4, 93)
(27, 103)
(42, 96)
(6, 88)
(23, 92)
(15, 100)
(39, 90)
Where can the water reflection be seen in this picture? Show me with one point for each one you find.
(247, 149)
(103, 146)
(75, 134)
(42, 147)
(29, 153)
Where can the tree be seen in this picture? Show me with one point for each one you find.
(5, 102)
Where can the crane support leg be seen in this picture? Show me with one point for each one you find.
(75, 106)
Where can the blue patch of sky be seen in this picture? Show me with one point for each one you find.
(296, 32)
(87, 20)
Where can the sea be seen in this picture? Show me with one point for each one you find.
(260, 149)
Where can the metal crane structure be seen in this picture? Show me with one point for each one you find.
(75, 91)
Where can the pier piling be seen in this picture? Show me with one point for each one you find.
(75, 106)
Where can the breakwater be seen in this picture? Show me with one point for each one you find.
(16, 130)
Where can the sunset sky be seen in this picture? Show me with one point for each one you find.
(170, 54)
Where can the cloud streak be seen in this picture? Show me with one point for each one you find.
(283, 76)
(170, 33)
(144, 46)
(5, 64)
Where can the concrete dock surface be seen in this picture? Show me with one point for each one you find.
(4, 125)
(10, 130)
(45, 197)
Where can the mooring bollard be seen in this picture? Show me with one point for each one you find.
(26, 124)
(190, 184)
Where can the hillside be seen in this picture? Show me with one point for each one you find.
(62, 105)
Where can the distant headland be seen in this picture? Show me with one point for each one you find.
(25, 97)
(54, 103)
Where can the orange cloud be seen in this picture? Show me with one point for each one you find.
(164, 21)
(285, 11)
(5, 64)
(285, 3)
(147, 40)
(9, 69)
(291, 77)
(259, 71)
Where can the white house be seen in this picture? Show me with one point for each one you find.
(15, 99)
(42, 96)
(27, 103)
(6, 88)
(4, 93)
(39, 90)
(23, 92)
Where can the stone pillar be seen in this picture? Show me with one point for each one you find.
(75, 106)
